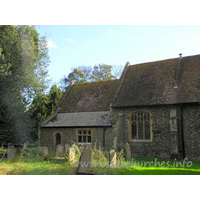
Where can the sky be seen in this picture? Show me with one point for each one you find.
(89, 45)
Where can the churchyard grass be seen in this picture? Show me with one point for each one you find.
(127, 169)
(36, 165)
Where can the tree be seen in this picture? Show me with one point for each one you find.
(84, 74)
(23, 62)
(76, 76)
(43, 105)
(102, 72)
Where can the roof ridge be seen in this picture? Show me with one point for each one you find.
(168, 59)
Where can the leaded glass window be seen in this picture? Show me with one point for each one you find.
(140, 126)
(84, 136)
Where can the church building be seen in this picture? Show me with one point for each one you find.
(153, 106)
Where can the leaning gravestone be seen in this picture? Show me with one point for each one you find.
(11, 152)
(66, 148)
(128, 151)
(59, 149)
(45, 151)
(85, 161)
(71, 154)
(112, 158)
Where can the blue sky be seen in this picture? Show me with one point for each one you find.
(89, 45)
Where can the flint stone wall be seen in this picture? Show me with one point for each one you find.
(191, 130)
(160, 146)
(69, 134)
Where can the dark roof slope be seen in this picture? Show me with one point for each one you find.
(81, 119)
(153, 83)
(89, 97)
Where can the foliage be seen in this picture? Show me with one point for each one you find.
(43, 105)
(120, 147)
(77, 149)
(99, 155)
(84, 74)
(23, 62)
(102, 72)
(37, 150)
(76, 76)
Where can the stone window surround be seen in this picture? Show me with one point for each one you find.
(54, 138)
(130, 127)
(84, 129)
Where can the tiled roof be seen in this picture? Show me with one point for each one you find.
(88, 97)
(153, 83)
(81, 119)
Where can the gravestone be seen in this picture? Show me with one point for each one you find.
(18, 150)
(112, 158)
(59, 149)
(67, 146)
(25, 146)
(128, 151)
(85, 161)
(71, 154)
(45, 151)
(11, 152)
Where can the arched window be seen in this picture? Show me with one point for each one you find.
(140, 126)
(58, 139)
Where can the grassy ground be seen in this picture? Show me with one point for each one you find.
(31, 165)
(131, 168)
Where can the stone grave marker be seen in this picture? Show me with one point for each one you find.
(59, 149)
(45, 150)
(128, 151)
(67, 146)
(85, 161)
(71, 154)
(25, 146)
(11, 152)
(112, 158)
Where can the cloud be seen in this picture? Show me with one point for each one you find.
(51, 44)
(70, 40)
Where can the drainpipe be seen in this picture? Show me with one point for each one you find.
(176, 81)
